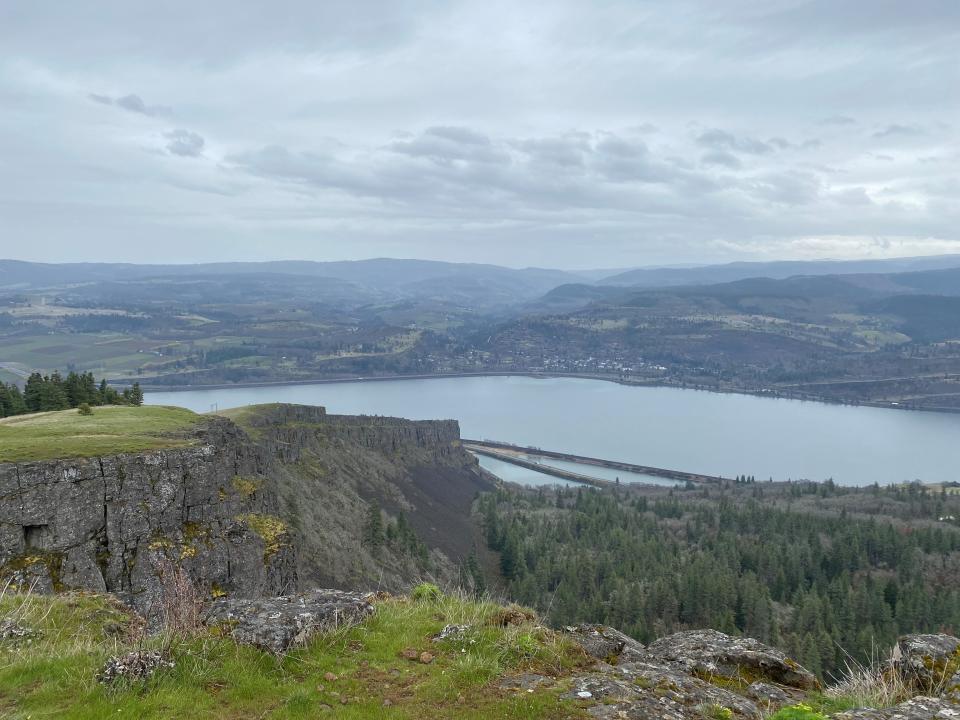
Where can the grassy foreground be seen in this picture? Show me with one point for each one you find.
(352, 673)
(109, 430)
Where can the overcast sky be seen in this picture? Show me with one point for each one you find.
(563, 134)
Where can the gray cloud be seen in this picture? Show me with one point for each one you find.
(132, 103)
(680, 131)
(838, 120)
(898, 131)
(723, 140)
(184, 143)
(721, 157)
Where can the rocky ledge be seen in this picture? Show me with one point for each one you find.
(688, 675)
(706, 674)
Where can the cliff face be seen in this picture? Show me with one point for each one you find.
(107, 523)
(334, 471)
(245, 512)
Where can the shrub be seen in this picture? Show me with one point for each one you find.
(85, 409)
(181, 605)
(426, 592)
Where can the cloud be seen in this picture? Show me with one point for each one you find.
(723, 140)
(723, 158)
(447, 144)
(560, 132)
(895, 131)
(838, 120)
(132, 103)
(184, 143)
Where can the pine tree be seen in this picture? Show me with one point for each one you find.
(373, 534)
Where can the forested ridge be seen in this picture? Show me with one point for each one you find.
(784, 566)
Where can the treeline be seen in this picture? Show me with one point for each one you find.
(42, 393)
(817, 585)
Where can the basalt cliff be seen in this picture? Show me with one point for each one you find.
(277, 499)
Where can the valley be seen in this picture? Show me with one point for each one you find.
(888, 339)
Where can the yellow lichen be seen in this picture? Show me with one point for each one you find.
(246, 486)
(271, 529)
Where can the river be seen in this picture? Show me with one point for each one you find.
(689, 430)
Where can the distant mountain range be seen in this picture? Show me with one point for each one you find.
(480, 285)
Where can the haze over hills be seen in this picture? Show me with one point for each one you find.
(710, 274)
(468, 282)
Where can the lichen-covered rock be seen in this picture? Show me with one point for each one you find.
(13, 631)
(646, 690)
(918, 708)
(929, 663)
(278, 623)
(605, 643)
(711, 654)
(451, 632)
(134, 666)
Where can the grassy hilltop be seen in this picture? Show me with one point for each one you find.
(108, 431)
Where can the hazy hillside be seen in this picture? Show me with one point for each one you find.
(710, 274)
(377, 276)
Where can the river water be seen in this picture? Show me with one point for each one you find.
(689, 430)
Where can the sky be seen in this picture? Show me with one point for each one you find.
(555, 134)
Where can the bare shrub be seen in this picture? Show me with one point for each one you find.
(181, 604)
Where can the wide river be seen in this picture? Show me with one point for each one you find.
(695, 431)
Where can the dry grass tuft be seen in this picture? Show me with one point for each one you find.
(876, 684)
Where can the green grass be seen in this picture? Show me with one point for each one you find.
(53, 677)
(798, 712)
(110, 430)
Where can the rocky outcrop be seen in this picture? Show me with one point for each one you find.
(930, 664)
(918, 708)
(279, 623)
(684, 676)
(706, 674)
(714, 655)
(109, 523)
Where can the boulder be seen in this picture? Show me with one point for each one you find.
(929, 663)
(710, 654)
(279, 623)
(645, 690)
(918, 708)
